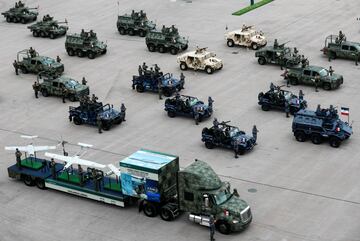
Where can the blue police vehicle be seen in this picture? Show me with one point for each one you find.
(320, 125)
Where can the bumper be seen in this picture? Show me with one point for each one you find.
(238, 227)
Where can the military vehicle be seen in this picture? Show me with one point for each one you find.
(247, 36)
(313, 75)
(84, 44)
(149, 81)
(29, 61)
(134, 23)
(320, 125)
(52, 84)
(152, 178)
(278, 54)
(224, 135)
(200, 59)
(276, 97)
(168, 39)
(20, 13)
(89, 110)
(48, 28)
(189, 106)
(334, 48)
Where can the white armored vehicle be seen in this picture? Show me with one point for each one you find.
(246, 36)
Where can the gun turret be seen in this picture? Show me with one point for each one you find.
(283, 44)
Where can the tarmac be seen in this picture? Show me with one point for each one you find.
(297, 191)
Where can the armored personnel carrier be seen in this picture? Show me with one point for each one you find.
(84, 44)
(320, 125)
(48, 27)
(52, 84)
(200, 59)
(276, 98)
(20, 13)
(227, 136)
(134, 23)
(29, 61)
(168, 39)
(247, 36)
(188, 106)
(278, 54)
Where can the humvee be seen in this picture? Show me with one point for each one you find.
(247, 36)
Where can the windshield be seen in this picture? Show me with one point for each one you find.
(287, 95)
(234, 131)
(222, 196)
(193, 101)
(323, 72)
(72, 84)
(48, 61)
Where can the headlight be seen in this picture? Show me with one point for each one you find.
(235, 221)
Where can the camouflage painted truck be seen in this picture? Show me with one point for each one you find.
(167, 39)
(21, 14)
(152, 178)
(48, 28)
(336, 48)
(134, 23)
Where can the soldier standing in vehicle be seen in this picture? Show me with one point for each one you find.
(236, 194)
(18, 155)
(276, 44)
(144, 67)
(341, 36)
(94, 98)
(58, 59)
(254, 133)
(53, 168)
(303, 61)
(99, 123)
(331, 71)
(160, 89)
(83, 81)
(36, 88)
(140, 70)
(287, 109)
(16, 67)
(123, 110)
(212, 228)
(32, 52)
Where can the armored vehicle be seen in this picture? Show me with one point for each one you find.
(168, 39)
(29, 61)
(188, 106)
(88, 111)
(227, 136)
(48, 28)
(53, 84)
(336, 48)
(320, 125)
(314, 75)
(200, 59)
(247, 36)
(150, 178)
(20, 13)
(84, 44)
(134, 23)
(276, 98)
(278, 54)
(151, 80)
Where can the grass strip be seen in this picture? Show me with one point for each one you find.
(251, 7)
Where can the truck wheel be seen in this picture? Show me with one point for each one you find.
(162, 49)
(42, 34)
(150, 209)
(209, 70)
(293, 81)
(183, 66)
(52, 36)
(72, 98)
(122, 31)
(166, 214)
(209, 145)
(184, 47)
(24, 70)
(9, 19)
(35, 34)
(332, 55)
(334, 142)
(262, 61)
(167, 92)
(174, 51)
(77, 120)
(131, 32)
(316, 139)
(241, 152)
(254, 46)
(223, 227)
(106, 125)
(139, 88)
(40, 183)
(300, 136)
(91, 55)
(104, 51)
(265, 107)
(326, 86)
(79, 53)
(151, 47)
(70, 52)
(28, 180)
(171, 114)
(142, 33)
(23, 20)
(230, 43)
(44, 93)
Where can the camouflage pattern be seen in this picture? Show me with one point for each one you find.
(48, 28)
(20, 14)
(334, 48)
(166, 39)
(134, 23)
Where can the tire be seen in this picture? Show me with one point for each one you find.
(167, 92)
(35, 34)
(223, 227)
(261, 60)
(326, 86)
(150, 210)
(166, 214)
(230, 43)
(332, 55)
(70, 52)
(16, 20)
(77, 120)
(9, 19)
(139, 88)
(334, 142)
(241, 152)
(265, 107)
(183, 66)
(72, 98)
(254, 46)
(171, 114)
(209, 145)
(122, 31)
(52, 36)
(174, 51)
(209, 70)
(316, 139)
(91, 55)
(162, 49)
(23, 20)
(28, 181)
(300, 136)
(106, 125)
(293, 81)
(44, 93)
(24, 70)
(104, 51)
(42, 34)
(40, 183)
(142, 33)
(79, 53)
(185, 47)
(151, 47)
(131, 32)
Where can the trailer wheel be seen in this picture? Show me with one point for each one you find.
(150, 209)
(28, 180)
(223, 227)
(40, 183)
(166, 214)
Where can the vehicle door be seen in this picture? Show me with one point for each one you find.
(345, 51)
(306, 77)
(54, 88)
(354, 53)
(237, 39)
(39, 66)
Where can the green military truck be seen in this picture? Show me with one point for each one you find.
(152, 178)
(48, 28)
(84, 44)
(134, 23)
(21, 14)
(336, 48)
(168, 39)
(52, 84)
(314, 75)
(31, 62)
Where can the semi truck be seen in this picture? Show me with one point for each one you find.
(151, 179)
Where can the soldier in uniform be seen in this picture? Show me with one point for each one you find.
(317, 82)
(216, 123)
(160, 89)
(331, 71)
(212, 228)
(32, 52)
(83, 81)
(123, 110)
(144, 66)
(287, 109)
(99, 123)
(182, 77)
(16, 66)
(157, 69)
(301, 95)
(36, 88)
(94, 98)
(276, 44)
(296, 51)
(254, 133)
(342, 36)
(210, 101)
(63, 94)
(303, 61)
(272, 87)
(18, 155)
(236, 194)
(140, 70)
(53, 168)
(196, 116)
(58, 59)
